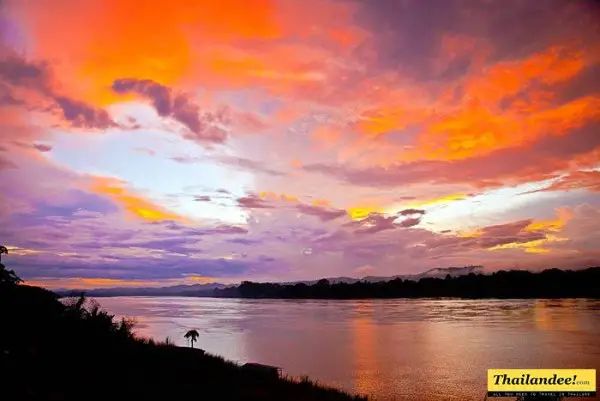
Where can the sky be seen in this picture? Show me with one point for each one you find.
(192, 142)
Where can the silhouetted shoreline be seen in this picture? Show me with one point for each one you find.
(551, 283)
(516, 284)
(73, 350)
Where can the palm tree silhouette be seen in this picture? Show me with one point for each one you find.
(7, 276)
(3, 249)
(192, 335)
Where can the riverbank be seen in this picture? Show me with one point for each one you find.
(54, 351)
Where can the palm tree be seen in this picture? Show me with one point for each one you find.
(3, 249)
(7, 276)
(192, 335)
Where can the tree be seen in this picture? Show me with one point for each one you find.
(192, 335)
(7, 276)
(3, 249)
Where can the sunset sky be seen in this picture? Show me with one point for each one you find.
(160, 143)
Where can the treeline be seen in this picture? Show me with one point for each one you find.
(552, 283)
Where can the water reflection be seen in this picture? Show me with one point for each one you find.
(364, 343)
(559, 314)
(389, 349)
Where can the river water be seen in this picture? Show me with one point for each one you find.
(421, 349)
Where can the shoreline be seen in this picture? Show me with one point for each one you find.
(82, 348)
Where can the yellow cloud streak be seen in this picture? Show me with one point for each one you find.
(134, 204)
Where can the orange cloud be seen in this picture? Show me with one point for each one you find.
(183, 42)
(132, 203)
(266, 195)
(484, 124)
(91, 283)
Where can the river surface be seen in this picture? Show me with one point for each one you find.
(388, 349)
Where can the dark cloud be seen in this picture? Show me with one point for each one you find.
(409, 212)
(411, 222)
(18, 72)
(203, 126)
(82, 115)
(42, 147)
(325, 214)
(227, 230)
(408, 35)
(202, 198)
(375, 223)
(253, 202)
(244, 241)
(185, 230)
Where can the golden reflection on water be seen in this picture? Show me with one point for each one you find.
(558, 314)
(364, 343)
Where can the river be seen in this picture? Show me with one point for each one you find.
(420, 349)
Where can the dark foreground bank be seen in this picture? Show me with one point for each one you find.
(53, 351)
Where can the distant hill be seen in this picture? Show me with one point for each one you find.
(194, 290)
(439, 272)
(207, 290)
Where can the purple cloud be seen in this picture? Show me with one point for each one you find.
(204, 126)
(253, 202)
(325, 214)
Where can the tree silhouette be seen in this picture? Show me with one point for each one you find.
(192, 335)
(550, 283)
(7, 276)
(3, 249)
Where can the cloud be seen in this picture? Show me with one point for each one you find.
(134, 204)
(409, 212)
(202, 198)
(42, 147)
(247, 164)
(376, 222)
(325, 214)
(202, 126)
(82, 115)
(542, 159)
(585, 180)
(33, 85)
(411, 222)
(16, 71)
(253, 202)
